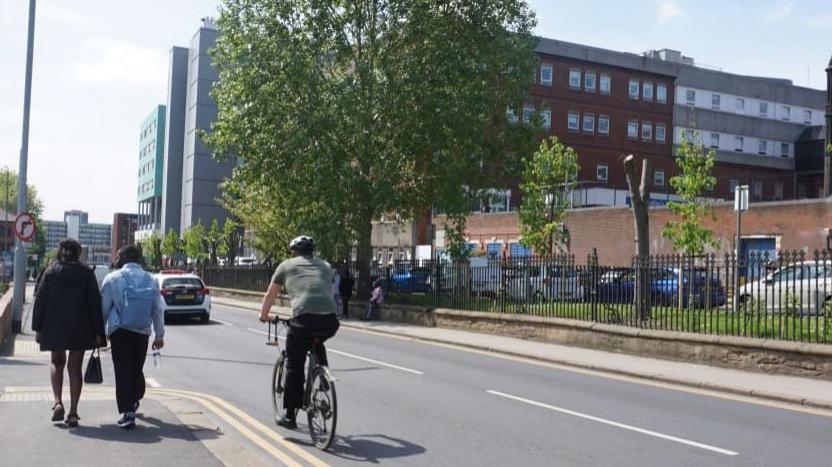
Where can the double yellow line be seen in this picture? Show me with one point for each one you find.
(245, 424)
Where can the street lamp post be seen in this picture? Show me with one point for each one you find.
(740, 205)
(20, 250)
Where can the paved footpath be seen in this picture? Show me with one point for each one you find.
(787, 389)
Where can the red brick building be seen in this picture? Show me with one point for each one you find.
(124, 230)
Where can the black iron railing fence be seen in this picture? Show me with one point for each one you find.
(787, 298)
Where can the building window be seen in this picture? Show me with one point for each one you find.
(646, 131)
(690, 96)
(589, 81)
(634, 89)
(589, 123)
(715, 140)
(528, 111)
(511, 115)
(604, 124)
(575, 78)
(658, 178)
(572, 121)
(605, 84)
(647, 91)
(546, 72)
(632, 129)
(787, 113)
(757, 189)
(740, 105)
(601, 172)
(660, 133)
(763, 147)
(733, 184)
(716, 100)
(807, 117)
(784, 149)
(764, 109)
(739, 144)
(778, 191)
(661, 93)
(546, 115)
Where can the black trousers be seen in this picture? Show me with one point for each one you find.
(346, 302)
(129, 350)
(302, 331)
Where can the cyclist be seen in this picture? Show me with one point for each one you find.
(308, 282)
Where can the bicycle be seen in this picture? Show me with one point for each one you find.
(319, 400)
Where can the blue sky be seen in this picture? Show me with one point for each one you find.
(101, 67)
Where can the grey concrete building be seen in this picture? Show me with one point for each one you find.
(94, 238)
(191, 175)
(752, 123)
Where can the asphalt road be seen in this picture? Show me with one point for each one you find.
(413, 403)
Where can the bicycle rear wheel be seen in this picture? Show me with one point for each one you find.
(322, 412)
(278, 388)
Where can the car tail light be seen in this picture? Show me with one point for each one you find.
(204, 291)
(166, 292)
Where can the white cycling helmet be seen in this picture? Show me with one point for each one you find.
(303, 244)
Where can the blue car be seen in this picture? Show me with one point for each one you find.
(413, 280)
(619, 287)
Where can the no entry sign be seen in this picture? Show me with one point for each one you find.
(25, 227)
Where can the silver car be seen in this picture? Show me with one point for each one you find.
(184, 295)
(803, 288)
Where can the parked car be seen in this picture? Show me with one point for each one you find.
(412, 280)
(618, 286)
(184, 294)
(804, 288)
(539, 283)
(486, 276)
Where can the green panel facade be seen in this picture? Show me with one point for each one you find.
(151, 154)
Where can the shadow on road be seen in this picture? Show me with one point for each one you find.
(5, 361)
(149, 430)
(220, 360)
(369, 448)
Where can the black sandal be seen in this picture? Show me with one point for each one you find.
(58, 412)
(72, 420)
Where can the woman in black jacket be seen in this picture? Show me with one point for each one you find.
(67, 317)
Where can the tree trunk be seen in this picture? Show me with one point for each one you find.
(365, 252)
(640, 196)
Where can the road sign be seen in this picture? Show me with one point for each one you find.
(25, 227)
(741, 198)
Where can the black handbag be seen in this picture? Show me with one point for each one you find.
(93, 375)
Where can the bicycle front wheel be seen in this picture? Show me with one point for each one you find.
(279, 387)
(322, 412)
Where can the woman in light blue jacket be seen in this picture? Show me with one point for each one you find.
(130, 303)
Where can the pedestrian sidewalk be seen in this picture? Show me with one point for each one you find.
(788, 389)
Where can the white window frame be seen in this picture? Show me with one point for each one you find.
(764, 109)
(543, 68)
(605, 77)
(661, 130)
(739, 105)
(577, 121)
(690, 97)
(632, 123)
(786, 147)
(658, 178)
(588, 117)
(762, 147)
(715, 139)
(739, 144)
(602, 169)
(646, 130)
(647, 96)
(511, 115)
(528, 112)
(733, 184)
(807, 117)
(787, 113)
(634, 85)
(601, 130)
(661, 93)
(716, 101)
(546, 115)
(574, 73)
(587, 76)
(757, 189)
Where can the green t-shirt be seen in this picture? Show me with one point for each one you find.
(308, 282)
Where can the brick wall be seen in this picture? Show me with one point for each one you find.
(796, 225)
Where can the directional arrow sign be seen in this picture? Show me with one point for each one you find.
(25, 227)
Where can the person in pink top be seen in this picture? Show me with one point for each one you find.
(376, 300)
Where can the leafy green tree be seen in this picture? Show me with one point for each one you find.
(195, 240)
(695, 165)
(229, 240)
(152, 249)
(346, 110)
(548, 177)
(8, 201)
(172, 245)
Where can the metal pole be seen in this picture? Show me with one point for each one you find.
(737, 263)
(20, 250)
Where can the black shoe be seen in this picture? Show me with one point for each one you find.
(127, 421)
(287, 422)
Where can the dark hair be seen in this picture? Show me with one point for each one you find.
(128, 254)
(69, 251)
